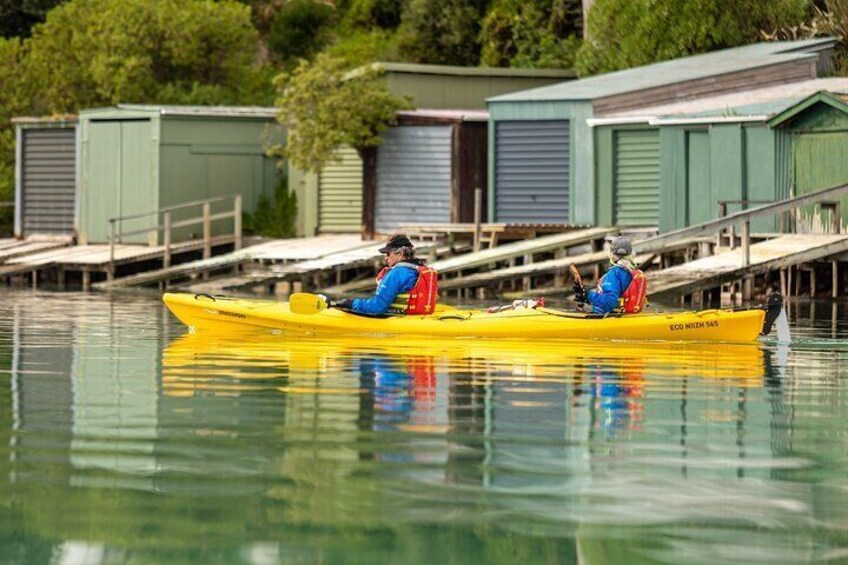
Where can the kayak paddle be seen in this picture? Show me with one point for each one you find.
(576, 274)
(307, 303)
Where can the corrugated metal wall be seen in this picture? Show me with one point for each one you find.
(531, 171)
(48, 181)
(821, 161)
(340, 194)
(636, 175)
(413, 177)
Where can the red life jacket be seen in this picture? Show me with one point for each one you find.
(421, 298)
(633, 299)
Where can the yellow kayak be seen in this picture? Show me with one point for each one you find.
(206, 312)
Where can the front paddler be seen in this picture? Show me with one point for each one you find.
(623, 288)
(406, 285)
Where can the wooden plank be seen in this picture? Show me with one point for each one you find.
(778, 253)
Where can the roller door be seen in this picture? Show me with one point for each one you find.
(48, 181)
(532, 171)
(637, 178)
(413, 177)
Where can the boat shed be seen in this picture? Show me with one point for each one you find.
(331, 202)
(708, 151)
(817, 128)
(542, 151)
(426, 170)
(136, 159)
(45, 176)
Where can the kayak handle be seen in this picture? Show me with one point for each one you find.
(204, 295)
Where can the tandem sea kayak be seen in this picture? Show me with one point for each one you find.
(202, 311)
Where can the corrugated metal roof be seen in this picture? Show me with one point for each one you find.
(472, 71)
(674, 71)
(758, 102)
(63, 119)
(458, 115)
(210, 111)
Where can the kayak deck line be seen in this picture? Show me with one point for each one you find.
(204, 311)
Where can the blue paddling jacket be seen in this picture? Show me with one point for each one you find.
(399, 279)
(604, 298)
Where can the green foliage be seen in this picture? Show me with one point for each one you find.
(831, 20)
(373, 14)
(101, 52)
(364, 47)
(274, 219)
(13, 102)
(324, 107)
(17, 17)
(300, 28)
(444, 32)
(531, 34)
(628, 33)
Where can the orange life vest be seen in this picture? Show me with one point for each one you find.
(634, 298)
(421, 298)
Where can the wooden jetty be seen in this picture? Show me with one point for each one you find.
(272, 252)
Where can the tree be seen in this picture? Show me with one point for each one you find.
(13, 102)
(100, 52)
(324, 106)
(442, 32)
(17, 17)
(300, 28)
(531, 33)
(629, 33)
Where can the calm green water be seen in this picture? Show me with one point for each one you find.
(125, 440)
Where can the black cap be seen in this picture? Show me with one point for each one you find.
(621, 247)
(396, 242)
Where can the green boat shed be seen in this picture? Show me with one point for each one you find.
(331, 202)
(135, 159)
(546, 163)
(722, 151)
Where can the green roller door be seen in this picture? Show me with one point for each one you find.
(637, 177)
(340, 194)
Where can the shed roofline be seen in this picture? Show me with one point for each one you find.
(821, 96)
(708, 120)
(413, 68)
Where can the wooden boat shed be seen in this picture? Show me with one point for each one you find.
(425, 171)
(137, 159)
(543, 154)
(331, 201)
(713, 156)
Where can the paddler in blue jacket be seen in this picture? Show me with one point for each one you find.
(603, 299)
(399, 276)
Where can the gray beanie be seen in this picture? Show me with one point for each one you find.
(621, 247)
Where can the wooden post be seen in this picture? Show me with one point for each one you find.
(526, 281)
(86, 280)
(166, 241)
(834, 266)
(783, 282)
(722, 212)
(478, 210)
(207, 230)
(812, 281)
(110, 271)
(746, 244)
(237, 228)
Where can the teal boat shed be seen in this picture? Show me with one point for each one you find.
(135, 159)
(723, 154)
(331, 201)
(546, 163)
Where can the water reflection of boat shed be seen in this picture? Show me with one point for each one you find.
(544, 165)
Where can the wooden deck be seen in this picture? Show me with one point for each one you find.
(490, 258)
(269, 252)
(778, 253)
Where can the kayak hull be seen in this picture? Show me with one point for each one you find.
(222, 313)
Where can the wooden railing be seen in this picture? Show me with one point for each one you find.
(744, 217)
(167, 226)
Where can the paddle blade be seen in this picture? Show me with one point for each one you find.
(306, 303)
(576, 274)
